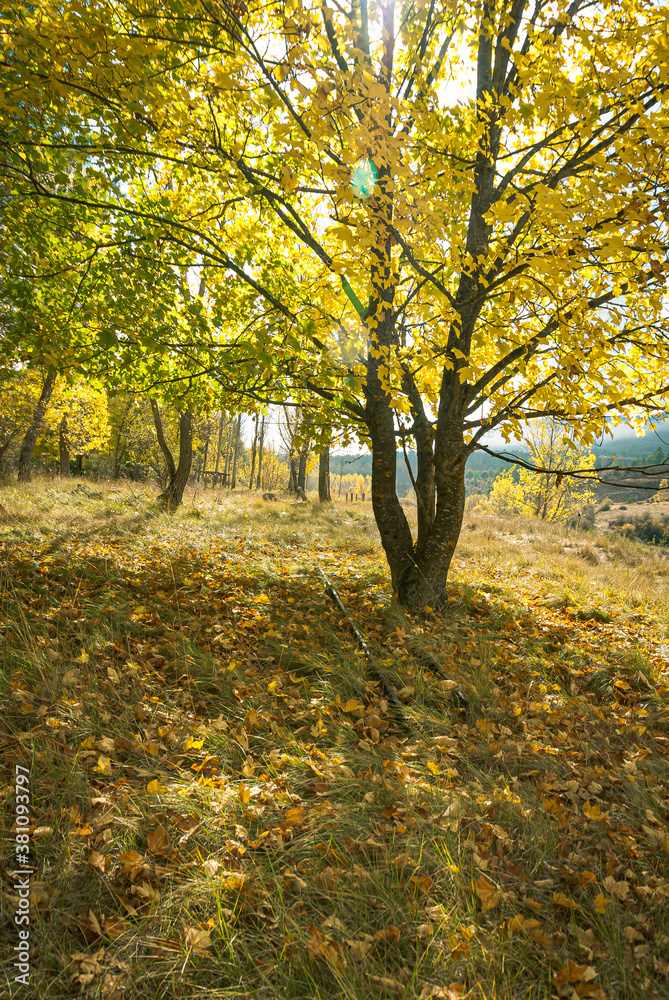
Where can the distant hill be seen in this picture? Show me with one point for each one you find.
(483, 469)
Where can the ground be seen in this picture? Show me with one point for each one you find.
(225, 801)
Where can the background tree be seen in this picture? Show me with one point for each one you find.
(551, 496)
(76, 422)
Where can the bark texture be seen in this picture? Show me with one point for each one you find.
(324, 476)
(28, 444)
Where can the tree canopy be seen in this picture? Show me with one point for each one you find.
(438, 219)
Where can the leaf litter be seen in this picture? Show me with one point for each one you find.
(222, 793)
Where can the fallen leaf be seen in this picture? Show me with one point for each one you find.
(487, 892)
(601, 902)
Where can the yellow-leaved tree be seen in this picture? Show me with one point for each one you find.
(553, 495)
(76, 422)
(437, 219)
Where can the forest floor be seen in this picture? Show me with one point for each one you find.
(224, 803)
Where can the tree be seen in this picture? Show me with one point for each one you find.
(237, 446)
(551, 496)
(35, 426)
(133, 434)
(177, 474)
(261, 443)
(76, 422)
(431, 263)
(324, 475)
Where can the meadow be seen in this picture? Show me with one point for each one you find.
(228, 800)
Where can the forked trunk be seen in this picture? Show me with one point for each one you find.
(419, 570)
(425, 583)
(177, 476)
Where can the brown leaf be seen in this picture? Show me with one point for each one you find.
(617, 889)
(197, 940)
(382, 984)
(115, 926)
(325, 948)
(97, 860)
(487, 892)
(157, 840)
(390, 933)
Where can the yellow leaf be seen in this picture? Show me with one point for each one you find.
(352, 705)
(154, 787)
(27, 709)
(193, 744)
(244, 792)
(83, 657)
(104, 765)
(601, 902)
(594, 812)
(560, 899)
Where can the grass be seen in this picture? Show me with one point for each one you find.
(224, 803)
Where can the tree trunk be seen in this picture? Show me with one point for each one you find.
(63, 450)
(302, 470)
(228, 455)
(79, 471)
(204, 460)
(260, 450)
(28, 445)
(233, 484)
(218, 449)
(292, 476)
(324, 476)
(253, 455)
(172, 495)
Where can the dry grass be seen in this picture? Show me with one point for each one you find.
(214, 816)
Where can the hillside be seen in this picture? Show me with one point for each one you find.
(226, 803)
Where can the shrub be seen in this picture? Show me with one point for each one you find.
(588, 517)
(478, 503)
(606, 505)
(646, 528)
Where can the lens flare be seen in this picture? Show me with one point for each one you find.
(363, 178)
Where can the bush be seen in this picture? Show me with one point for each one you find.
(645, 528)
(588, 517)
(478, 503)
(606, 505)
